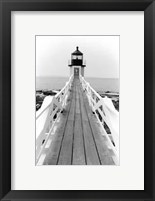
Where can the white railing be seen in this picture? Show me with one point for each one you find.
(47, 115)
(105, 112)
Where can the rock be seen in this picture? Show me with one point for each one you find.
(39, 97)
(49, 92)
(107, 92)
(116, 104)
(39, 91)
(38, 107)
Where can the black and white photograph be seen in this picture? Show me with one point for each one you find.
(77, 99)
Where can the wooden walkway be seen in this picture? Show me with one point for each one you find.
(77, 138)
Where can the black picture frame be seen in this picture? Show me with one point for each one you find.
(6, 6)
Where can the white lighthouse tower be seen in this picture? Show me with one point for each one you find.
(76, 65)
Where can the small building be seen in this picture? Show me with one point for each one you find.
(76, 65)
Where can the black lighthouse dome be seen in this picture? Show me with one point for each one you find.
(77, 52)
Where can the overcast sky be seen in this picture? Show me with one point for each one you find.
(100, 52)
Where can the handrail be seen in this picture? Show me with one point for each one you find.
(47, 115)
(40, 111)
(105, 112)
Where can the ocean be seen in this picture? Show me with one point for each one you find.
(56, 83)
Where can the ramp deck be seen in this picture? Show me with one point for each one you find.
(77, 137)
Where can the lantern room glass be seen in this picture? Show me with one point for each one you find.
(77, 57)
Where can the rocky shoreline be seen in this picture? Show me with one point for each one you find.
(113, 96)
(41, 94)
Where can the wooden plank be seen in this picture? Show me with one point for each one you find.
(104, 152)
(78, 144)
(53, 152)
(65, 157)
(90, 148)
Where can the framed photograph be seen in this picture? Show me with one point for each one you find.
(81, 106)
(77, 100)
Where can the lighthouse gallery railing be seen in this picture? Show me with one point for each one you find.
(47, 115)
(105, 112)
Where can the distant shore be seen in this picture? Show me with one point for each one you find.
(98, 84)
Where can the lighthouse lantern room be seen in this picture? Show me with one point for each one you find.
(76, 65)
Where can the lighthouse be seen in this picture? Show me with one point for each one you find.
(76, 65)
